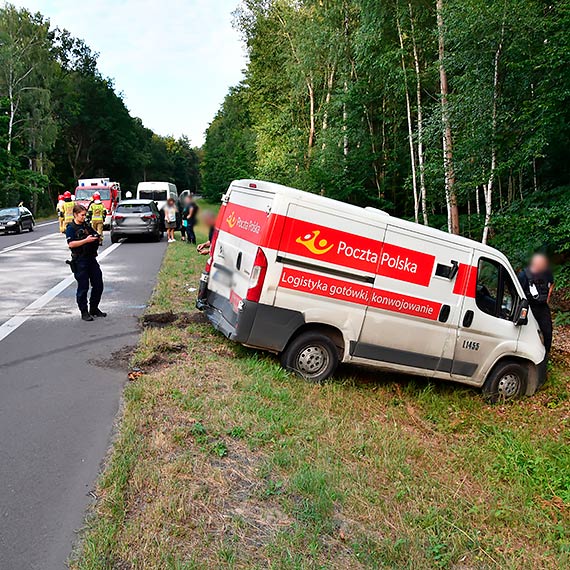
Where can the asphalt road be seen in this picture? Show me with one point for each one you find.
(60, 386)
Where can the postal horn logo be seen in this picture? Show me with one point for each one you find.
(315, 245)
(231, 220)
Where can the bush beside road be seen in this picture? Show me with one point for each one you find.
(222, 459)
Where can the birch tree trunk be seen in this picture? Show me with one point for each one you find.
(450, 196)
(410, 127)
(489, 187)
(423, 190)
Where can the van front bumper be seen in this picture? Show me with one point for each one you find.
(255, 324)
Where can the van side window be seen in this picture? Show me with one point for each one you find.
(496, 294)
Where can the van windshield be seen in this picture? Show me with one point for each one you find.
(156, 195)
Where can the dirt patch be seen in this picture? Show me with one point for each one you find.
(119, 360)
(158, 320)
(181, 320)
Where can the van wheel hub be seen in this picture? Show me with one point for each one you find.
(508, 385)
(312, 360)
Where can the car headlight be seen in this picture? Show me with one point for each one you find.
(11, 224)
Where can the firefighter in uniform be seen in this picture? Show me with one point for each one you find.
(83, 242)
(67, 209)
(97, 213)
(59, 210)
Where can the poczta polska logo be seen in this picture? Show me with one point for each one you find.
(310, 242)
(231, 220)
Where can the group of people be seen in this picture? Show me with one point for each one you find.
(189, 218)
(95, 212)
(83, 228)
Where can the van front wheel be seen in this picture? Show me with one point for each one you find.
(507, 381)
(312, 355)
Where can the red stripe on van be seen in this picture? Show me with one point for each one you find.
(244, 222)
(310, 240)
(466, 281)
(358, 293)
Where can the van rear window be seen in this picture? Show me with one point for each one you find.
(134, 208)
(156, 195)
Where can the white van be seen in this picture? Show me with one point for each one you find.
(319, 281)
(160, 192)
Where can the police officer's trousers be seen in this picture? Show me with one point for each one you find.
(544, 319)
(88, 273)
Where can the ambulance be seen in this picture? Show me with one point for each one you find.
(320, 282)
(109, 191)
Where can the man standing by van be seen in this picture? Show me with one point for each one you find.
(538, 283)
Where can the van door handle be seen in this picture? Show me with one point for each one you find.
(468, 319)
(238, 261)
(444, 313)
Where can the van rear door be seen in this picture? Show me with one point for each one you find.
(240, 228)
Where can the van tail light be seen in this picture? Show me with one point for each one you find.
(257, 277)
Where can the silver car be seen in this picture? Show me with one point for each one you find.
(136, 218)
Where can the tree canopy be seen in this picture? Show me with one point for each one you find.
(449, 112)
(61, 120)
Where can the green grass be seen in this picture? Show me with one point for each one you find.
(223, 460)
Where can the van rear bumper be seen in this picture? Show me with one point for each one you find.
(255, 324)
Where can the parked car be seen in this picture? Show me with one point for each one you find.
(16, 220)
(319, 281)
(136, 217)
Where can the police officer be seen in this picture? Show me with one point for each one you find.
(96, 212)
(67, 209)
(83, 241)
(538, 283)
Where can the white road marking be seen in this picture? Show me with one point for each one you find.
(46, 224)
(18, 320)
(25, 243)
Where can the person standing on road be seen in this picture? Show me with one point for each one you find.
(68, 205)
(97, 213)
(538, 283)
(170, 212)
(190, 214)
(60, 214)
(83, 241)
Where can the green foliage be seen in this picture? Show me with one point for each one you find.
(324, 104)
(229, 149)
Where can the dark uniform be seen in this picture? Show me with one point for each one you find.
(536, 287)
(85, 267)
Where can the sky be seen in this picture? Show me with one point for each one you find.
(173, 60)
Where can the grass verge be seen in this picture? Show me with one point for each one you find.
(223, 460)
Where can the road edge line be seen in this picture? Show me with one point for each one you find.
(21, 317)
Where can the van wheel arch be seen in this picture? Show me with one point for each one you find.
(511, 365)
(332, 332)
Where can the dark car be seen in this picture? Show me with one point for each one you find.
(136, 218)
(16, 220)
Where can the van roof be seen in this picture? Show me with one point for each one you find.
(368, 213)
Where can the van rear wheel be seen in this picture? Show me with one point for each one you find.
(507, 381)
(312, 355)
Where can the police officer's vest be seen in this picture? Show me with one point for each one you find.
(97, 212)
(538, 288)
(68, 211)
(88, 249)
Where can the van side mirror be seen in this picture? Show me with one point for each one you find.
(521, 316)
